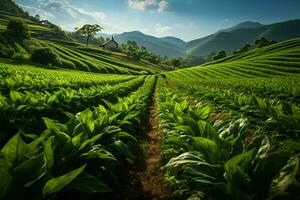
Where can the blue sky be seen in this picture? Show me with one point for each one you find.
(186, 19)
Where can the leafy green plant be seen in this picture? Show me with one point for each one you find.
(204, 160)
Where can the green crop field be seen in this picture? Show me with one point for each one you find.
(228, 129)
(98, 124)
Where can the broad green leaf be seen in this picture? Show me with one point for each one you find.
(122, 149)
(50, 123)
(291, 145)
(78, 139)
(87, 120)
(241, 160)
(30, 170)
(206, 129)
(51, 99)
(90, 184)
(207, 147)
(185, 129)
(48, 148)
(192, 124)
(268, 167)
(56, 184)
(98, 154)
(236, 175)
(5, 182)
(16, 96)
(63, 138)
(189, 158)
(284, 177)
(15, 150)
(240, 182)
(202, 113)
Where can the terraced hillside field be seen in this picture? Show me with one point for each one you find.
(225, 130)
(72, 55)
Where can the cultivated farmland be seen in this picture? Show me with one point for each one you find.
(229, 129)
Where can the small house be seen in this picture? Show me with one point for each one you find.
(110, 45)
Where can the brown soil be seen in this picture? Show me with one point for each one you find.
(142, 178)
(151, 177)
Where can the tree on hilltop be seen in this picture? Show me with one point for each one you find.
(88, 30)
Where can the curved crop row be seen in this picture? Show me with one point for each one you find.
(272, 114)
(24, 77)
(25, 110)
(206, 159)
(78, 158)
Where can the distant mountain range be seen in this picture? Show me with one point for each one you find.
(235, 37)
(227, 39)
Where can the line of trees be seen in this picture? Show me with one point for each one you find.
(132, 49)
(262, 42)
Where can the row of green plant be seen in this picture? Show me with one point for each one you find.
(281, 117)
(281, 50)
(30, 78)
(83, 61)
(76, 159)
(283, 88)
(222, 159)
(24, 110)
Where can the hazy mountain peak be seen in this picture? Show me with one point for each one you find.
(246, 25)
(249, 24)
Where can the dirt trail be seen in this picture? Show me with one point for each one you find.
(151, 177)
(142, 179)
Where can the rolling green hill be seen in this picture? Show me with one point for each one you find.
(227, 39)
(11, 7)
(37, 29)
(232, 40)
(73, 55)
(278, 60)
(247, 25)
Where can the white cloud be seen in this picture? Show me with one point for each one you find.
(160, 29)
(162, 5)
(97, 15)
(64, 14)
(36, 11)
(159, 5)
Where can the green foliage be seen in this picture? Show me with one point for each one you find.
(176, 62)
(56, 184)
(17, 29)
(137, 53)
(45, 56)
(33, 106)
(263, 42)
(218, 160)
(6, 52)
(88, 30)
(81, 154)
(12, 7)
(220, 55)
(243, 49)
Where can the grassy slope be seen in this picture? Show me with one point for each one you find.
(281, 59)
(74, 55)
(230, 41)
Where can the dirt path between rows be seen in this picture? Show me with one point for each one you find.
(142, 179)
(151, 177)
